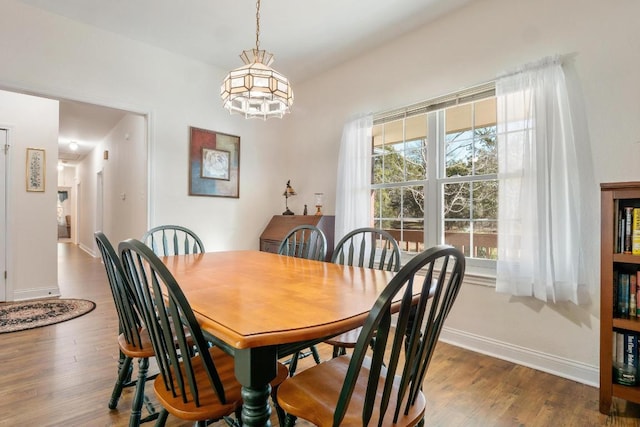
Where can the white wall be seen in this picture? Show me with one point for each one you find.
(32, 229)
(57, 57)
(124, 181)
(86, 176)
(472, 46)
(128, 203)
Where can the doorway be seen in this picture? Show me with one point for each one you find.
(4, 145)
(99, 202)
(108, 161)
(63, 218)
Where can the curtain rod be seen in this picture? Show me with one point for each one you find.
(559, 59)
(483, 90)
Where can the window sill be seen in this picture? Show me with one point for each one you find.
(477, 276)
(477, 272)
(480, 279)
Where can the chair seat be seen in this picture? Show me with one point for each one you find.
(321, 386)
(210, 406)
(346, 340)
(145, 350)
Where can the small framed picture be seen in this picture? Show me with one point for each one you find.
(35, 169)
(214, 164)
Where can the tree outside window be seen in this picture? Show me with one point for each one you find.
(452, 196)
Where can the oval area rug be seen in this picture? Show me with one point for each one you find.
(18, 316)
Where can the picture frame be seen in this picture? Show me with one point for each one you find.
(35, 169)
(214, 163)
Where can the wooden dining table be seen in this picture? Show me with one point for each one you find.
(261, 306)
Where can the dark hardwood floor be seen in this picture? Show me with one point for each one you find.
(62, 375)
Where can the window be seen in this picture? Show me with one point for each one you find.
(434, 175)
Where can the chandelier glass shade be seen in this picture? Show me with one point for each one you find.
(256, 89)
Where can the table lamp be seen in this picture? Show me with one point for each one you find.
(318, 197)
(288, 192)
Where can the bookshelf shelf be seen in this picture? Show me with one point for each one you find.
(616, 199)
(627, 324)
(625, 392)
(626, 258)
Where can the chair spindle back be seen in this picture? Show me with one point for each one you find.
(416, 332)
(368, 247)
(129, 318)
(169, 319)
(167, 240)
(304, 241)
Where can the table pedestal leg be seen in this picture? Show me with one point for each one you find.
(254, 412)
(255, 368)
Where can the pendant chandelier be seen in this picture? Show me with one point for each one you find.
(256, 89)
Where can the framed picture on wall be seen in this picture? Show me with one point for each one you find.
(214, 164)
(35, 169)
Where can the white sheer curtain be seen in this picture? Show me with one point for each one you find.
(539, 230)
(353, 192)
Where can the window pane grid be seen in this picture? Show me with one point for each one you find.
(470, 139)
(399, 179)
(466, 183)
(470, 217)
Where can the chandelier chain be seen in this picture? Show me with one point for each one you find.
(258, 25)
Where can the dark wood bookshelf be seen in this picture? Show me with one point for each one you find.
(613, 197)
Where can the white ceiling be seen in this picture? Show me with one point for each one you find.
(85, 124)
(306, 37)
